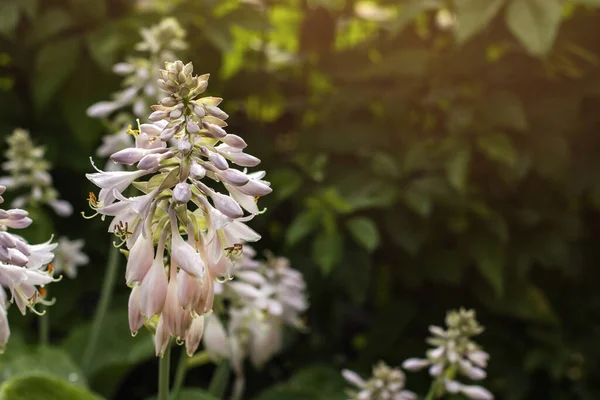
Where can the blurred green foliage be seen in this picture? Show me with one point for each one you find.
(424, 155)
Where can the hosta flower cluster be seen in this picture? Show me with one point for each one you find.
(160, 44)
(454, 354)
(23, 267)
(178, 214)
(386, 384)
(27, 169)
(262, 298)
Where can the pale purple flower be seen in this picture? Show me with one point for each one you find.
(455, 350)
(24, 268)
(68, 256)
(262, 298)
(181, 232)
(28, 170)
(386, 384)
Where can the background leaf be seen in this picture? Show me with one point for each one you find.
(535, 23)
(42, 387)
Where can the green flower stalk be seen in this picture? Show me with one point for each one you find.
(454, 354)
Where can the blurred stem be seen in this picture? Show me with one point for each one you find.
(44, 327)
(107, 291)
(163, 374)
(184, 364)
(180, 373)
(431, 395)
(218, 383)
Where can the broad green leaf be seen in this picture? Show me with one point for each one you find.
(220, 378)
(50, 23)
(54, 63)
(314, 383)
(499, 148)
(46, 360)
(192, 394)
(365, 232)
(505, 109)
(535, 23)
(9, 16)
(302, 225)
(43, 387)
(29, 7)
(406, 229)
(327, 250)
(409, 11)
(117, 351)
(418, 201)
(522, 300)
(457, 169)
(285, 183)
(490, 260)
(472, 16)
(89, 9)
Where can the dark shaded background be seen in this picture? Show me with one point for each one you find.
(411, 175)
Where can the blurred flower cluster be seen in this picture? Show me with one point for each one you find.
(184, 147)
(386, 384)
(263, 297)
(23, 267)
(160, 44)
(27, 169)
(455, 353)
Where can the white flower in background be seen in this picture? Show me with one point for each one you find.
(445, 19)
(68, 256)
(262, 298)
(454, 354)
(28, 169)
(160, 44)
(23, 268)
(385, 384)
(177, 214)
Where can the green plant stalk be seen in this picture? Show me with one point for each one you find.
(218, 383)
(44, 327)
(105, 297)
(431, 395)
(163, 374)
(184, 364)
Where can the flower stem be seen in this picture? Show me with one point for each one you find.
(184, 364)
(44, 328)
(163, 374)
(431, 395)
(105, 297)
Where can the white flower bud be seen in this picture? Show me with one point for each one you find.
(234, 141)
(102, 109)
(158, 115)
(476, 392)
(136, 320)
(184, 255)
(197, 171)
(182, 192)
(153, 289)
(215, 130)
(194, 335)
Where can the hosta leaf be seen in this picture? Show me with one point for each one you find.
(43, 387)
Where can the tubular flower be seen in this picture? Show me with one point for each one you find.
(68, 256)
(23, 268)
(179, 231)
(159, 44)
(262, 298)
(28, 169)
(455, 353)
(385, 384)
